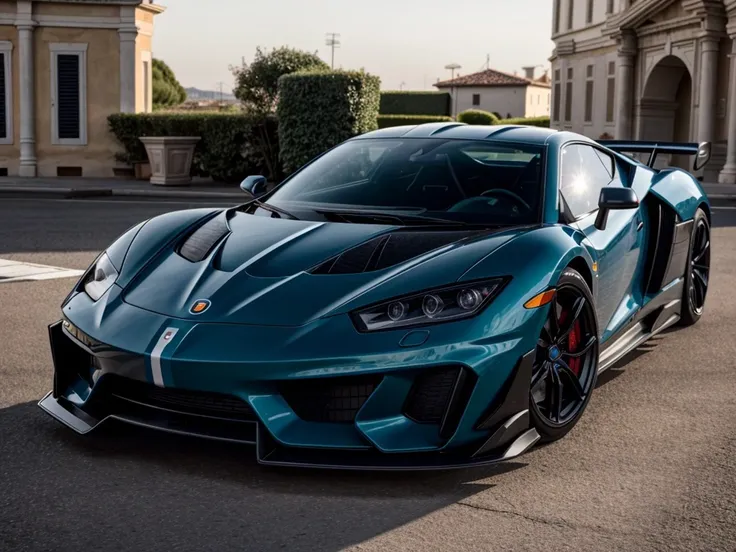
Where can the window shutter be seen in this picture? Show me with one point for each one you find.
(67, 77)
(3, 107)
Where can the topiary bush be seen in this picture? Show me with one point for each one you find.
(226, 151)
(319, 109)
(386, 121)
(414, 103)
(477, 117)
(528, 121)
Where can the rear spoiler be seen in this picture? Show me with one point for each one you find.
(701, 151)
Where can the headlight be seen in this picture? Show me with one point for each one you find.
(433, 306)
(101, 277)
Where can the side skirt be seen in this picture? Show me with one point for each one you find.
(658, 315)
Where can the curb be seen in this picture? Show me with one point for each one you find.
(81, 193)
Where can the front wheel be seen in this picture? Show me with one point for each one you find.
(566, 362)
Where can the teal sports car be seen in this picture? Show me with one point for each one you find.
(425, 297)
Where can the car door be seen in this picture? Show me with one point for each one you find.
(585, 170)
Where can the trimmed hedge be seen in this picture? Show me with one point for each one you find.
(319, 109)
(226, 151)
(477, 117)
(530, 121)
(414, 103)
(386, 121)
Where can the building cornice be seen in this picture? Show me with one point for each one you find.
(108, 2)
(635, 15)
(669, 25)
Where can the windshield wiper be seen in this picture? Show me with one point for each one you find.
(400, 218)
(278, 210)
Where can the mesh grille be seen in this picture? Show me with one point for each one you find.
(198, 245)
(179, 400)
(430, 395)
(335, 400)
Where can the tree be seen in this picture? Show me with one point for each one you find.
(257, 84)
(167, 91)
(257, 87)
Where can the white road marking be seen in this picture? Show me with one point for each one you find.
(17, 271)
(163, 341)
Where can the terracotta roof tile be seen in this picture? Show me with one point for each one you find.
(491, 77)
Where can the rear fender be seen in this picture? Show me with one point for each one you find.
(680, 190)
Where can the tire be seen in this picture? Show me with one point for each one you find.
(697, 271)
(570, 288)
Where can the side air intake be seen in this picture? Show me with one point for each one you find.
(387, 251)
(199, 243)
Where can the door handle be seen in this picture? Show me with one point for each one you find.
(640, 226)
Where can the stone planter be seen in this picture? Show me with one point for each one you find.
(171, 158)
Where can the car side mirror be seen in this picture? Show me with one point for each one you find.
(703, 156)
(614, 199)
(255, 185)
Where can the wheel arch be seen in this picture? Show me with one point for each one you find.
(705, 206)
(580, 265)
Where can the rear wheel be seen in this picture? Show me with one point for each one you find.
(697, 273)
(566, 362)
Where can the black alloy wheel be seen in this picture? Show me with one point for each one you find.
(566, 363)
(697, 274)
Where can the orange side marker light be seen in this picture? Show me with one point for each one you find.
(541, 299)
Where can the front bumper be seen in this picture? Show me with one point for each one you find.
(421, 417)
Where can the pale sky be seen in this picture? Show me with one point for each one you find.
(407, 41)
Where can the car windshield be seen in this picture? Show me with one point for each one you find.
(463, 181)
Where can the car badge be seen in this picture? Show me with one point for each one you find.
(199, 306)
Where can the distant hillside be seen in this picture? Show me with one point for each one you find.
(197, 94)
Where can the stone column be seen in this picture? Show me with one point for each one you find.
(728, 174)
(127, 69)
(708, 75)
(128, 32)
(25, 25)
(627, 50)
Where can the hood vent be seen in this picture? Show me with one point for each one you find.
(387, 251)
(197, 245)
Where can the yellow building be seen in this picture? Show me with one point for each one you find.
(65, 65)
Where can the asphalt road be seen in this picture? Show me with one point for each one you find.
(651, 466)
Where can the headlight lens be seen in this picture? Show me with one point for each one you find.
(437, 305)
(101, 278)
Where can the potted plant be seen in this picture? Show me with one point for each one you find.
(170, 158)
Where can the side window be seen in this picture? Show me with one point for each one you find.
(584, 172)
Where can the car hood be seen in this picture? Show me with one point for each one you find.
(272, 271)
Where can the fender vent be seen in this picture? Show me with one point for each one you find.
(387, 251)
(199, 243)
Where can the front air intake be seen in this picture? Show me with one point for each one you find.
(439, 397)
(333, 400)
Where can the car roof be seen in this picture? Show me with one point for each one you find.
(460, 131)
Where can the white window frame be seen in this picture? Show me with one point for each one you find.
(146, 56)
(77, 49)
(6, 48)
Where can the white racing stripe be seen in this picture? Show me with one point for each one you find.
(166, 338)
(17, 271)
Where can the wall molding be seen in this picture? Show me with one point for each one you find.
(6, 48)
